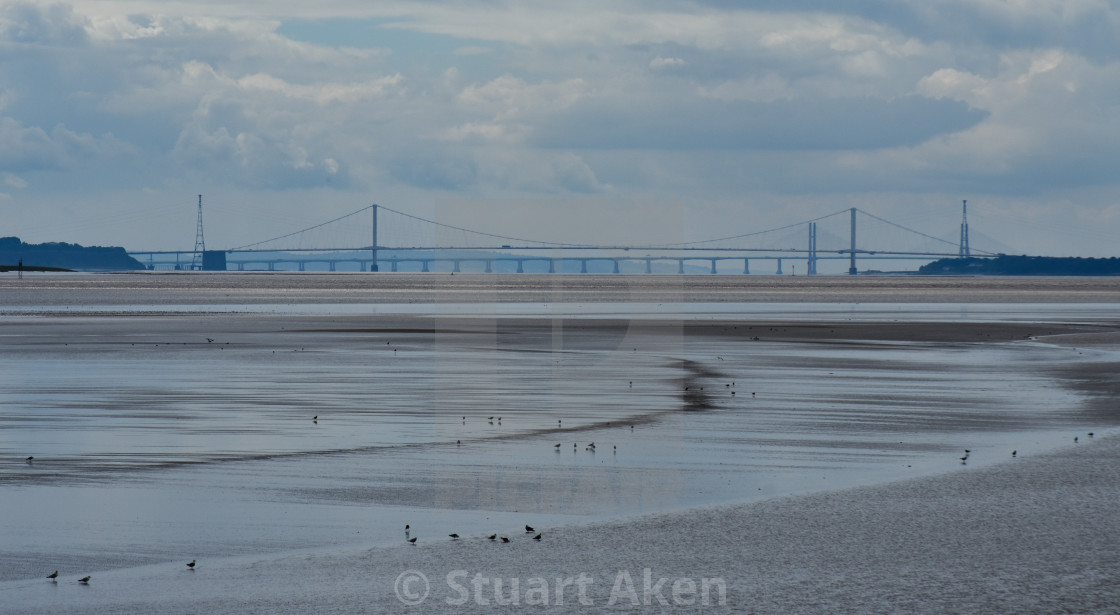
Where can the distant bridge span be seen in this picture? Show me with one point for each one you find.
(490, 255)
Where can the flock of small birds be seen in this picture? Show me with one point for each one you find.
(1014, 453)
(53, 577)
(410, 539)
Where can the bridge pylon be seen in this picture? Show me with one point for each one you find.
(199, 240)
(852, 252)
(812, 248)
(964, 250)
(373, 246)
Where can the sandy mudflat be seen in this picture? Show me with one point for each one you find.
(1033, 535)
(227, 397)
(168, 288)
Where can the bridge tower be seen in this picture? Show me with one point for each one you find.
(852, 253)
(373, 246)
(812, 248)
(964, 253)
(199, 240)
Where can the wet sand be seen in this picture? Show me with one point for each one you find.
(1036, 533)
(183, 288)
(1032, 535)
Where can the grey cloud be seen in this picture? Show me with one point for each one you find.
(24, 148)
(1089, 29)
(783, 125)
(439, 170)
(573, 174)
(30, 148)
(223, 144)
(34, 24)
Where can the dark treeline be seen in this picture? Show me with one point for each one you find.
(1023, 265)
(64, 256)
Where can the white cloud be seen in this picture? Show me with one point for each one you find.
(12, 180)
(473, 50)
(660, 62)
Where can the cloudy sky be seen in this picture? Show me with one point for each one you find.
(590, 121)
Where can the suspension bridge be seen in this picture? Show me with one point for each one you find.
(377, 238)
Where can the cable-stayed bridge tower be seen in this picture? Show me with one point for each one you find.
(964, 251)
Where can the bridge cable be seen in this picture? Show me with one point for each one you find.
(310, 228)
(771, 230)
(467, 230)
(945, 241)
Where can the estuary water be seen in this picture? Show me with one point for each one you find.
(166, 428)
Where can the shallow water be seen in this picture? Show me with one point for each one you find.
(169, 432)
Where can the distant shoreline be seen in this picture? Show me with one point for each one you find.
(10, 268)
(1004, 265)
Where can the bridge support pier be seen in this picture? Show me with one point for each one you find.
(583, 265)
(393, 265)
(424, 268)
(779, 272)
(615, 265)
(746, 266)
(489, 266)
(713, 266)
(520, 266)
(552, 265)
(330, 266)
(456, 269)
(649, 265)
